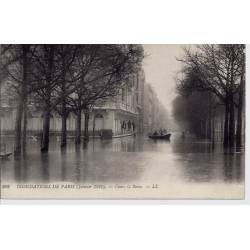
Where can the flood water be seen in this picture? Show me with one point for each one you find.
(126, 160)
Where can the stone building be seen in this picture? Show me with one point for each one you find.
(136, 109)
(155, 114)
(123, 114)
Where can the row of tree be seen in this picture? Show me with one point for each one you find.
(200, 114)
(217, 73)
(64, 79)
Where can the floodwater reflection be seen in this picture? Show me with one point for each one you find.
(127, 159)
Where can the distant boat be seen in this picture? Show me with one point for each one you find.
(160, 137)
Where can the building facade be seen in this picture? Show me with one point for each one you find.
(123, 114)
(136, 109)
(155, 114)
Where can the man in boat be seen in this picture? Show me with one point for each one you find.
(163, 131)
(183, 135)
(155, 133)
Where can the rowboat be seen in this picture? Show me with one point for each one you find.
(160, 137)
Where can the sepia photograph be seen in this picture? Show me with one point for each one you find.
(122, 121)
(123, 124)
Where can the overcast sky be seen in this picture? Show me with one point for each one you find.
(160, 67)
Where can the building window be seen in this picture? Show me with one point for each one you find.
(98, 116)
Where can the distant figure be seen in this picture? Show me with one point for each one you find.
(183, 135)
(133, 126)
(155, 133)
(129, 125)
(123, 126)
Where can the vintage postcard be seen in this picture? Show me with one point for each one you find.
(122, 121)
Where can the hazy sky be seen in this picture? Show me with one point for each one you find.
(160, 67)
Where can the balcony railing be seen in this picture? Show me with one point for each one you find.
(121, 106)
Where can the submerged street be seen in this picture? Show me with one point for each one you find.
(177, 163)
(111, 92)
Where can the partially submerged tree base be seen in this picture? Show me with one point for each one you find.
(44, 149)
(78, 128)
(85, 143)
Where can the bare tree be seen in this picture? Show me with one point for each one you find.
(104, 69)
(66, 55)
(2, 77)
(47, 77)
(215, 68)
(17, 63)
(241, 63)
(64, 79)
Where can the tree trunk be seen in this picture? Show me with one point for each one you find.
(209, 117)
(239, 117)
(231, 103)
(21, 103)
(226, 123)
(64, 123)
(231, 122)
(25, 110)
(213, 133)
(64, 129)
(86, 125)
(25, 100)
(209, 136)
(46, 117)
(206, 129)
(46, 129)
(93, 125)
(78, 127)
(18, 127)
(64, 110)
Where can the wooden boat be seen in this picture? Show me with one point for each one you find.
(5, 155)
(160, 137)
